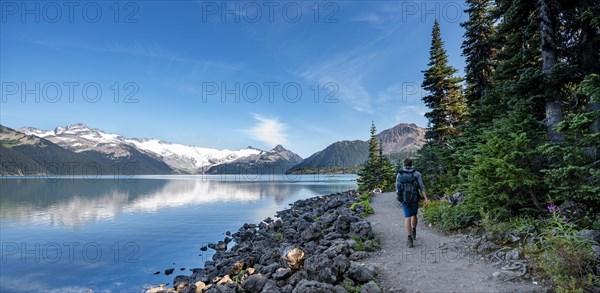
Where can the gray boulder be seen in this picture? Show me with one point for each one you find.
(270, 287)
(306, 286)
(282, 274)
(361, 273)
(313, 232)
(254, 283)
(321, 268)
(370, 287)
(296, 277)
(590, 234)
(338, 248)
(362, 230)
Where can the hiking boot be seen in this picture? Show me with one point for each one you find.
(409, 242)
(414, 234)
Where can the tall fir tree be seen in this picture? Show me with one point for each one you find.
(445, 98)
(478, 48)
(448, 112)
(504, 177)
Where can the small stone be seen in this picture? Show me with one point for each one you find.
(169, 271)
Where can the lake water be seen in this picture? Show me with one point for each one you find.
(113, 234)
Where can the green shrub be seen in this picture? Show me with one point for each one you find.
(596, 224)
(565, 257)
(520, 224)
(349, 286)
(365, 203)
(365, 244)
(448, 218)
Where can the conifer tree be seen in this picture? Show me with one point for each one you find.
(377, 172)
(478, 49)
(445, 97)
(448, 112)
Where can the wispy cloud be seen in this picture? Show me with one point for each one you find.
(137, 49)
(369, 17)
(345, 72)
(413, 113)
(267, 130)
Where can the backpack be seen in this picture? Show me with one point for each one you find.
(408, 190)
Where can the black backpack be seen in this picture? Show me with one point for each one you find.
(408, 190)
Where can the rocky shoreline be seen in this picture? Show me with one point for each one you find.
(316, 245)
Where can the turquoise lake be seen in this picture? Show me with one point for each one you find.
(112, 234)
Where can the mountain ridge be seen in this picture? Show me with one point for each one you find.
(167, 157)
(402, 140)
(185, 159)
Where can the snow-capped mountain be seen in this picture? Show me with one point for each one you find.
(276, 161)
(183, 158)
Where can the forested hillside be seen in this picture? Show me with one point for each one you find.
(518, 135)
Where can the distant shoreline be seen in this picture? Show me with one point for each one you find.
(318, 177)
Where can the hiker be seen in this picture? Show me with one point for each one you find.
(408, 184)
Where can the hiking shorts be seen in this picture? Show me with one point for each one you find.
(410, 209)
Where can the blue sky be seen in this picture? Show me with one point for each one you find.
(222, 74)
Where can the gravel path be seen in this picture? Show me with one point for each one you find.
(435, 264)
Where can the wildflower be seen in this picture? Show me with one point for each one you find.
(552, 208)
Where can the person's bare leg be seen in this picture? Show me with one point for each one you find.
(409, 239)
(414, 222)
(407, 224)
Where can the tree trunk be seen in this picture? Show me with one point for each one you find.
(535, 200)
(554, 114)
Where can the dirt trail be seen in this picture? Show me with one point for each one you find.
(436, 264)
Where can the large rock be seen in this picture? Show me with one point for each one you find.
(270, 269)
(590, 234)
(282, 274)
(343, 222)
(362, 230)
(181, 282)
(320, 268)
(270, 287)
(306, 286)
(293, 258)
(313, 232)
(361, 273)
(338, 248)
(221, 289)
(370, 287)
(296, 277)
(254, 283)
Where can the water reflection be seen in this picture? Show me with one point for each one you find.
(71, 203)
(168, 218)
